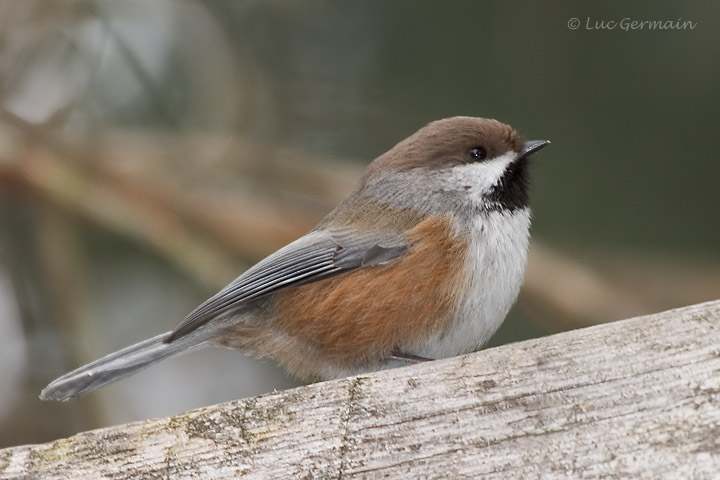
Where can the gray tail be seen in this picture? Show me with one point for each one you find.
(117, 365)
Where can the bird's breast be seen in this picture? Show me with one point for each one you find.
(494, 270)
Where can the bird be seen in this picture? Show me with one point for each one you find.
(422, 260)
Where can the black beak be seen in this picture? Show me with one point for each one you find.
(532, 146)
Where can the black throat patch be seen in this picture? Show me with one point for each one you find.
(511, 191)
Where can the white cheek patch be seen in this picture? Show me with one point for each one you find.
(424, 188)
(478, 178)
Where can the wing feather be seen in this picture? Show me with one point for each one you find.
(313, 257)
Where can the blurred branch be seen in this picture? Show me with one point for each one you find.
(156, 95)
(566, 294)
(43, 167)
(62, 260)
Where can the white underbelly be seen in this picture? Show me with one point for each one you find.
(496, 266)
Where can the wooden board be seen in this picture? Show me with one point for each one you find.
(638, 398)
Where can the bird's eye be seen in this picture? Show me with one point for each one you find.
(477, 153)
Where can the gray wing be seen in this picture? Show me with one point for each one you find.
(315, 256)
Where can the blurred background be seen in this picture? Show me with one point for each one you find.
(151, 151)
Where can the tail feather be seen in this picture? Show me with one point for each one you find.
(117, 365)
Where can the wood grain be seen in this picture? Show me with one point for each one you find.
(638, 398)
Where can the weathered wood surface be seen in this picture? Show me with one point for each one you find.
(633, 399)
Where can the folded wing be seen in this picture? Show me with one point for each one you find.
(315, 256)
